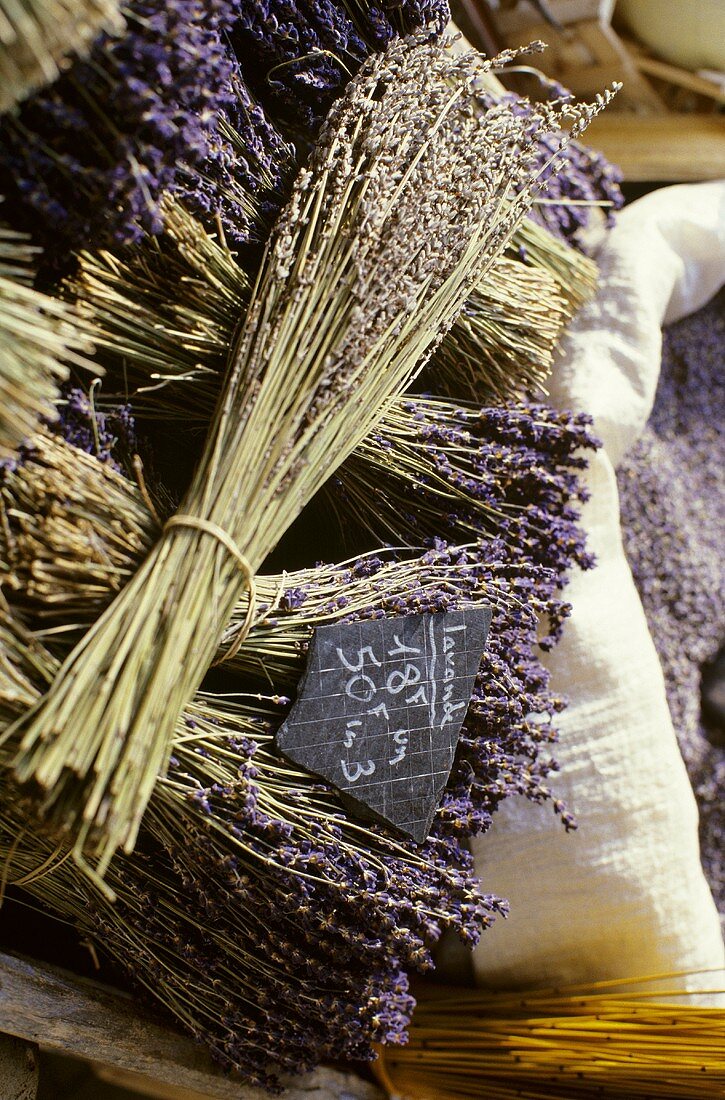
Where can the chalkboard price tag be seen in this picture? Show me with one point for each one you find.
(380, 710)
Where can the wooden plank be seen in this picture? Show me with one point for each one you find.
(683, 78)
(524, 16)
(71, 1016)
(670, 148)
(586, 57)
(144, 1086)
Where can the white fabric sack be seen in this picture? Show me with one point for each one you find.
(624, 896)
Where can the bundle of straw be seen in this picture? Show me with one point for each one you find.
(351, 298)
(73, 531)
(36, 35)
(634, 1038)
(40, 339)
(164, 318)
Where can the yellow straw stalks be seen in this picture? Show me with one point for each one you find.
(36, 35)
(166, 315)
(628, 1039)
(407, 203)
(40, 338)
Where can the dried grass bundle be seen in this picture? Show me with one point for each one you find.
(574, 273)
(73, 531)
(36, 35)
(165, 316)
(629, 1039)
(40, 338)
(402, 211)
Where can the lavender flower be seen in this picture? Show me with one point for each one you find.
(110, 434)
(578, 181)
(585, 181)
(298, 55)
(673, 523)
(433, 469)
(271, 926)
(86, 161)
(276, 929)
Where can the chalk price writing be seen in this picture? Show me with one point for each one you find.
(379, 712)
(362, 688)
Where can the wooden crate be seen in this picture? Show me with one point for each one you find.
(650, 142)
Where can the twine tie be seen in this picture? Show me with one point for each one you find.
(198, 524)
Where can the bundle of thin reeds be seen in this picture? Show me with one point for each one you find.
(36, 35)
(165, 314)
(40, 339)
(402, 211)
(73, 531)
(634, 1038)
(574, 273)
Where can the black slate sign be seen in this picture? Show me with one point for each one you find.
(380, 710)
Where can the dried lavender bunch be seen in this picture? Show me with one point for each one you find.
(73, 530)
(36, 36)
(242, 858)
(87, 161)
(40, 339)
(298, 56)
(575, 275)
(254, 998)
(344, 314)
(586, 182)
(502, 742)
(673, 527)
(432, 468)
(78, 581)
(502, 344)
(164, 318)
(583, 181)
(512, 715)
(235, 833)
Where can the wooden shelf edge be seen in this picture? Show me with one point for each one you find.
(655, 148)
(69, 1015)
